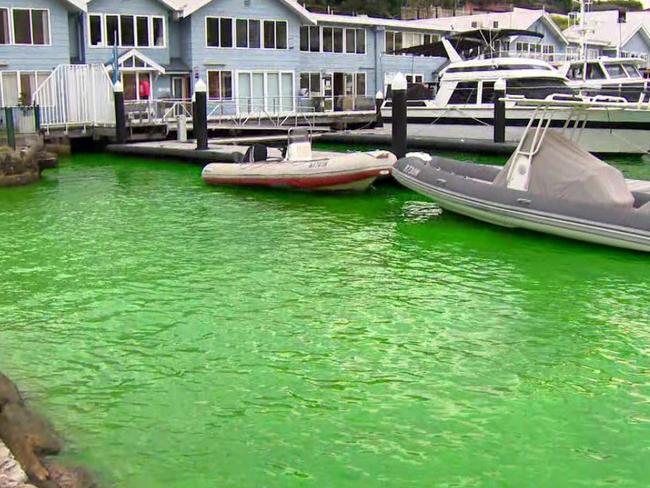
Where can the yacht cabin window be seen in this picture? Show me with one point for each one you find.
(615, 70)
(595, 72)
(464, 93)
(631, 70)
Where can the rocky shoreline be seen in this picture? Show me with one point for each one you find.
(24, 166)
(26, 443)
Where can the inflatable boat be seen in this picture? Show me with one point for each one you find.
(301, 168)
(549, 185)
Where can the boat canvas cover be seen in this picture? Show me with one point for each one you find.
(561, 170)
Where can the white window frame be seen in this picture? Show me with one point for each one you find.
(12, 34)
(356, 40)
(392, 33)
(265, 73)
(232, 83)
(104, 43)
(10, 26)
(414, 77)
(309, 74)
(248, 34)
(275, 33)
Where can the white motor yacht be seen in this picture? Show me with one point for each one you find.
(463, 106)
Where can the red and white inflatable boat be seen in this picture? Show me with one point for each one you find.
(302, 168)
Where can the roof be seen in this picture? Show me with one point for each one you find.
(518, 18)
(191, 6)
(79, 4)
(603, 28)
(170, 4)
(372, 21)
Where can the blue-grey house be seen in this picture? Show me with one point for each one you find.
(253, 54)
(35, 37)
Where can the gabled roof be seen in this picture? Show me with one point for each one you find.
(192, 6)
(518, 18)
(170, 4)
(149, 64)
(371, 21)
(603, 28)
(78, 4)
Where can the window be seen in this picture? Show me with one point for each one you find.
(219, 85)
(487, 95)
(31, 26)
(127, 33)
(142, 31)
(474, 24)
(429, 38)
(311, 83)
(4, 26)
(360, 83)
(495, 24)
(595, 72)
(393, 41)
(332, 39)
(95, 30)
(632, 71)
(212, 31)
(241, 27)
(219, 32)
(275, 34)
(615, 70)
(310, 38)
(355, 41)
(158, 24)
(465, 93)
(254, 39)
(328, 42)
(414, 78)
(269, 34)
(112, 29)
(225, 32)
(576, 71)
(537, 88)
(338, 40)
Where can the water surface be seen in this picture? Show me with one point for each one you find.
(187, 336)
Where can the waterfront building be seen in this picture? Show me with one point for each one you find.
(251, 52)
(609, 34)
(551, 48)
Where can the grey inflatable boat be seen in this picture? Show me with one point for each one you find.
(548, 185)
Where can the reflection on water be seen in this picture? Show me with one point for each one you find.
(183, 335)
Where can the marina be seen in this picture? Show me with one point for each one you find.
(277, 244)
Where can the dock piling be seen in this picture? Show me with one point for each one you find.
(200, 116)
(499, 111)
(399, 120)
(379, 101)
(120, 113)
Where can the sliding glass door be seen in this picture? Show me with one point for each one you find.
(265, 91)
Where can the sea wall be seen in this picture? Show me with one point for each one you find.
(26, 442)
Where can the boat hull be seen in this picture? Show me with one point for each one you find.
(517, 212)
(326, 172)
(616, 132)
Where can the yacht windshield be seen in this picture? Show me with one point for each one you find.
(631, 70)
(615, 71)
(537, 88)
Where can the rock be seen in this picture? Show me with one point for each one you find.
(28, 436)
(8, 392)
(70, 476)
(11, 473)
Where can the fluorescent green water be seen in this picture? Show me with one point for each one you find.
(186, 336)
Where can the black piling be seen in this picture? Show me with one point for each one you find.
(120, 113)
(200, 115)
(499, 111)
(379, 102)
(398, 120)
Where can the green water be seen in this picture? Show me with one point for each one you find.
(187, 336)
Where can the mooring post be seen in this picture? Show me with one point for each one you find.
(398, 120)
(120, 113)
(200, 116)
(379, 101)
(499, 110)
(11, 128)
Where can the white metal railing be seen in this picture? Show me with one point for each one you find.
(76, 96)
(561, 57)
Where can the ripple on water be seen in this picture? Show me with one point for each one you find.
(189, 336)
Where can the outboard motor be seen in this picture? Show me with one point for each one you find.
(255, 154)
